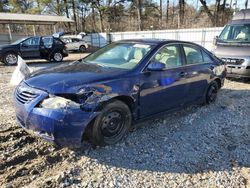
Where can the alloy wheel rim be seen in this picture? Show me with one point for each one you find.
(11, 59)
(58, 56)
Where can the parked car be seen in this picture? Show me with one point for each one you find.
(233, 45)
(38, 47)
(75, 44)
(99, 96)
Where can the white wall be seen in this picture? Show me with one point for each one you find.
(202, 36)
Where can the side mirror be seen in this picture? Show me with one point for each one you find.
(156, 66)
(215, 40)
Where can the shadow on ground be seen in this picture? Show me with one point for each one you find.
(196, 139)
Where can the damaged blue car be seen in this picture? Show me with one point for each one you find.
(101, 96)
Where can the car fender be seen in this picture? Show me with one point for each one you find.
(104, 93)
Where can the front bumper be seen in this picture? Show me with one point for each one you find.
(65, 53)
(63, 127)
(238, 71)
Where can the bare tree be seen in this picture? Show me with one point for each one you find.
(181, 12)
(167, 13)
(74, 13)
(139, 13)
(209, 13)
(161, 15)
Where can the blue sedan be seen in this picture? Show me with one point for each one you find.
(101, 96)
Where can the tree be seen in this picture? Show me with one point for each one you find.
(138, 5)
(209, 13)
(3, 5)
(181, 12)
(74, 13)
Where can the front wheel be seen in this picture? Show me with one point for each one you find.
(212, 91)
(57, 56)
(10, 58)
(111, 124)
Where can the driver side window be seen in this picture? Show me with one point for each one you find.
(32, 41)
(169, 55)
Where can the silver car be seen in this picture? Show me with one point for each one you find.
(233, 45)
(75, 44)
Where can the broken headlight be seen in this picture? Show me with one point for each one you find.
(55, 102)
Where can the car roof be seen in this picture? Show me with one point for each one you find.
(156, 41)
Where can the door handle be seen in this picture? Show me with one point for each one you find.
(182, 74)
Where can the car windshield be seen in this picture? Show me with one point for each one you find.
(18, 41)
(119, 55)
(236, 33)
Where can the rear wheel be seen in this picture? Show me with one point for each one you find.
(82, 48)
(57, 56)
(10, 58)
(212, 91)
(111, 124)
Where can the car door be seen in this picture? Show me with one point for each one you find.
(198, 69)
(166, 89)
(30, 48)
(46, 46)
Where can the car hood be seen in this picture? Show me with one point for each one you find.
(232, 51)
(70, 78)
(6, 46)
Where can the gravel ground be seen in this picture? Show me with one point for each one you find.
(207, 146)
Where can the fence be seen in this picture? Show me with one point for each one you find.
(202, 36)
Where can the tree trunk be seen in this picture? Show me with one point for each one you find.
(139, 14)
(181, 12)
(66, 8)
(58, 7)
(74, 14)
(167, 13)
(94, 21)
(210, 15)
(161, 17)
(217, 12)
(101, 21)
(65, 4)
(173, 12)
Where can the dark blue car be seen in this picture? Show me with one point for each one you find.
(99, 97)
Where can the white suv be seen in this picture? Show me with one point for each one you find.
(77, 44)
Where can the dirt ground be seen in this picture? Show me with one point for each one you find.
(204, 146)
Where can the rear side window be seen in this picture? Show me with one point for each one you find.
(206, 57)
(47, 42)
(169, 55)
(193, 55)
(32, 41)
(75, 40)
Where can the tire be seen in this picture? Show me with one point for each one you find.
(82, 48)
(57, 56)
(10, 58)
(211, 93)
(111, 124)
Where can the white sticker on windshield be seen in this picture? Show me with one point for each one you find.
(141, 46)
